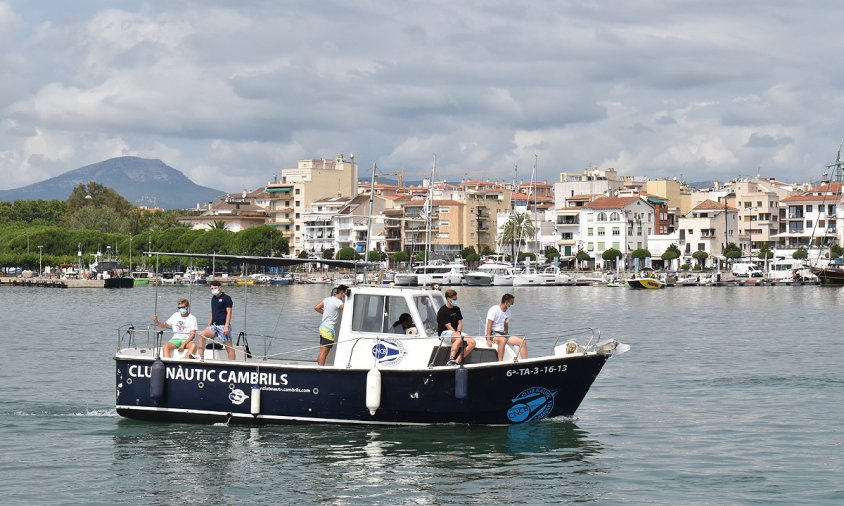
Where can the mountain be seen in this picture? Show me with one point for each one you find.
(141, 181)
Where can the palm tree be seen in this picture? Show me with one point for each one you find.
(519, 227)
(218, 225)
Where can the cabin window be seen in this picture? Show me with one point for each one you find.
(396, 306)
(369, 314)
(428, 312)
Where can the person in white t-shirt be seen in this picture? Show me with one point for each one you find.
(184, 330)
(330, 308)
(498, 327)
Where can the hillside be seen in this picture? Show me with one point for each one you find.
(143, 182)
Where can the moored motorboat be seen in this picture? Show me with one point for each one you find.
(489, 274)
(645, 283)
(372, 376)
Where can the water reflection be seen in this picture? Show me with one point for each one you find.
(358, 464)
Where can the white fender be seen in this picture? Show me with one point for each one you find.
(255, 406)
(373, 390)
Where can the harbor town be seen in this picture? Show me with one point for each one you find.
(592, 227)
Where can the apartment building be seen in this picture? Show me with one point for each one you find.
(589, 182)
(811, 219)
(623, 223)
(300, 187)
(708, 227)
(758, 214)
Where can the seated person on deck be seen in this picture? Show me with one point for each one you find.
(450, 322)
(184, 327)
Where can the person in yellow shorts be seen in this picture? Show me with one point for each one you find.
(330, 308)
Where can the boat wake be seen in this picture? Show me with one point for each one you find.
(67, 412)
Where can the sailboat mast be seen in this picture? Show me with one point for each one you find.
(430, 210)
(369, 220)
(535, 209)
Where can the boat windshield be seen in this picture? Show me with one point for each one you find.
(427, 306)
(379, 313)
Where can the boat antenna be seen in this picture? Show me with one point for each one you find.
(369, 223)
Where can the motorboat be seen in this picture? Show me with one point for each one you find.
(427, 275)
(645, 283)
(373, 375)
(549, 276)
(491, 274)
(141, 277)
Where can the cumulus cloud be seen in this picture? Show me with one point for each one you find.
(231, 96)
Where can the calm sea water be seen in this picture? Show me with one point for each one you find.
(729, 395)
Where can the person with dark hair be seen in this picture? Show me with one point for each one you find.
(220, 322)
(498, 327)
(330, 308)
(450, 324)
(404, 323)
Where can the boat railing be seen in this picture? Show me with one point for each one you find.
(152, 337)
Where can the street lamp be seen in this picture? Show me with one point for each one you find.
(40, 251)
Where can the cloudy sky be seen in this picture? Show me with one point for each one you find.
(230, 92)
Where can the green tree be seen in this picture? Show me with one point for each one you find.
(104, 219)
(43, 212)
(375, 256)
(260, 241)
(641, 253)
(835, 251)
(465, 252)
(611, 255)
(765, 253)
(97, 195)
(401, 256)
(582, 256)
(732, 251)
(800, 254)
(527, 254)
(303, 254)
(328, 254)
(487, 251)
(551, 253)
(701, 257)
(518, 228)
(671, 253)
(347, 253)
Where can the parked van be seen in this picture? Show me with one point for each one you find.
(745, 270)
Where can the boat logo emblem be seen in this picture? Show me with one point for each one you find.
(388, 352)
(532, 404)
(237, 396)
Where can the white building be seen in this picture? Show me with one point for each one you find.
(622, 223)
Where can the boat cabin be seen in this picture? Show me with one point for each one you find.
(367, 334)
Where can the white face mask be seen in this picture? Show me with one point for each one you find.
(183, 311)
(215, 292)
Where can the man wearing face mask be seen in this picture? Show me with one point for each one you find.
(450, 324)
(220, 323)
(184, 329)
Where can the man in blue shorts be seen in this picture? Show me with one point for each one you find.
(220, 323)
(329, 308)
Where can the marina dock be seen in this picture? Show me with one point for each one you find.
(53, 282)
